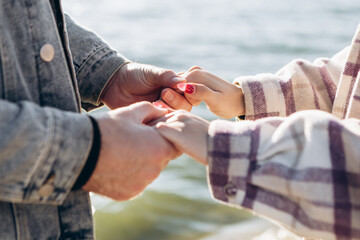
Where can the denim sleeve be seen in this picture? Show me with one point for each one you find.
(42, 152)
(94, 60)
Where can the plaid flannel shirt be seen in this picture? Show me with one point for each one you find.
(300, 170)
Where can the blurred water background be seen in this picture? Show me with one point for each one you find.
(229, 38)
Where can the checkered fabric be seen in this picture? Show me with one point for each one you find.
(296, 159)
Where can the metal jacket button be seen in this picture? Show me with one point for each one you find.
(46, 190)
(47, 52)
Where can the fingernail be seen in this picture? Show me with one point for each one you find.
(185, 87)
(178, 79)
(181, 87)
(159, 105)
(189, 89)
(169, 96)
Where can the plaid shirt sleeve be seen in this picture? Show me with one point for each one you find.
(300, 85)
(302, 171)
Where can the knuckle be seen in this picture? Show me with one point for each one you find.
(145, 105)
(194, 75)
(195, 67)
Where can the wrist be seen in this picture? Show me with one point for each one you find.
(92, 158)
(106, 95)
(240, 101)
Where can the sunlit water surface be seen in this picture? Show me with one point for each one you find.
(229, 38)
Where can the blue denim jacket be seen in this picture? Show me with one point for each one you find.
(50, 68)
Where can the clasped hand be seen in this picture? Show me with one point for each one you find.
(138, 139)
(189, 133)
(132, 153)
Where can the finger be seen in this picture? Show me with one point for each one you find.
(161, 104)
(167, 136)
(175, 112)
(144, 112)
(194, 68)
(185, 73)
(168, 78)
(179, 118)
(181, 74)
(199, 75)
(158, 77)
(155, 121)
(175, 100)
(195, 93)
(170, 131)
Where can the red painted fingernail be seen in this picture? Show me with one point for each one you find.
(185, 87)
(189, 89)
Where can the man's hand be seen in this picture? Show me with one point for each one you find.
(135, 82)
(132, 154)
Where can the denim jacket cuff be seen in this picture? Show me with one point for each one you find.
(94, 74)
(69, 142)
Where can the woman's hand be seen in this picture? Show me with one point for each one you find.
(223, 98)
(187, 132)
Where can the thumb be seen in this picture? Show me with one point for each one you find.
(145, 112)
(168, 78)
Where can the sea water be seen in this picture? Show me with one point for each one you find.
(229, 38)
